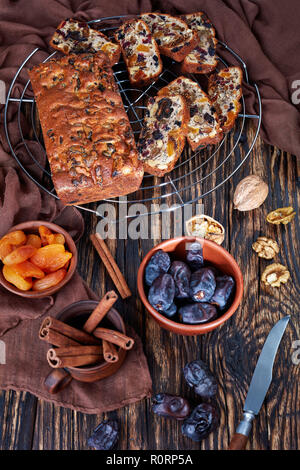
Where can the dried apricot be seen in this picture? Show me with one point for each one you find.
(58, 262)
(44, 233)
(17, 237)
(34, 240)
(5, 249)
(28, 269)
(56, 238)
(20, 254)
(50, 280)
(45, 257)
(14, 278)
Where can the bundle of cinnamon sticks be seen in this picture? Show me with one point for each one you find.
(73, 347)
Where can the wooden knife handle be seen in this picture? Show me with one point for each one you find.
(240, 438)
(238, 442)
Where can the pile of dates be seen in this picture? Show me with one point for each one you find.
(191, 291)
(199, 422)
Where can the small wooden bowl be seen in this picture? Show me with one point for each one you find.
(58, 379)
(214, 254)
(32, 227)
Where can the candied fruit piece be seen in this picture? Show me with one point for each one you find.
(14, 278)
(49, 280)
(45, 257)
(28, 269)
(34, 240)
(17, 237)
(20, 254)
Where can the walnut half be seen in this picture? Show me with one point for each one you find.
(282, 215)
(275, 274)
(265, 247)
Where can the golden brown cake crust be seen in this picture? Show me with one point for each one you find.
(87, 134)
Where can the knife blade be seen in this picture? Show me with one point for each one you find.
(259, 384)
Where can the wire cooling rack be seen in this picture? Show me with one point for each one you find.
(195, 175)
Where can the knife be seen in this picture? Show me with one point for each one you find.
(259, 385)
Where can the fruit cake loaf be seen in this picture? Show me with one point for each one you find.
(225, 91)
(140, 52)
(173, 36)
(87, 135)
(74, 37)
(203, 126)
(163, 136)
(203, 58)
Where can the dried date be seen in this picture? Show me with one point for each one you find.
(202, 285)
(159, 263)
(162, 292)
(196, 313)
(170, 406)
(194, 255)
(224, 289)
(202, 421)
(198, 375)
(181, 274)
(105, 436)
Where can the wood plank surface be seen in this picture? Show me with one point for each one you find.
(231, 351)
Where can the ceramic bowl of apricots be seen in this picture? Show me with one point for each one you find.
(37, 259)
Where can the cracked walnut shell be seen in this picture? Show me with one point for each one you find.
(283, 215)
(275, 274)
(206, 227)
(265, 247)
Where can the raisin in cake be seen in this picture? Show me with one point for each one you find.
(225, 91)
(74, 37)
(203, 126)
(203, 58)
(140, 52)
(173, 36)
(163, 136)
(89, 143)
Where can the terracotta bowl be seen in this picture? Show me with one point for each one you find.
(212, 253)
(32, 227)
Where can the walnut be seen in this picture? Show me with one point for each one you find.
(250, 193)
(265, 247)
(275, 274)
(282, 215)
(206, 227)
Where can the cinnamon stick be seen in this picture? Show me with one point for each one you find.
(72, 333)
(111, 265)
(56, 338)
(109, 352)
(57, 358)
(100, 311)
(114, 337)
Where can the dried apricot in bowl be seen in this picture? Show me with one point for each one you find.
(50, 280)
(48, 257)
(20, 254)
(14, 278)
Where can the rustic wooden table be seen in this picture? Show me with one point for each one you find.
(231, 351)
